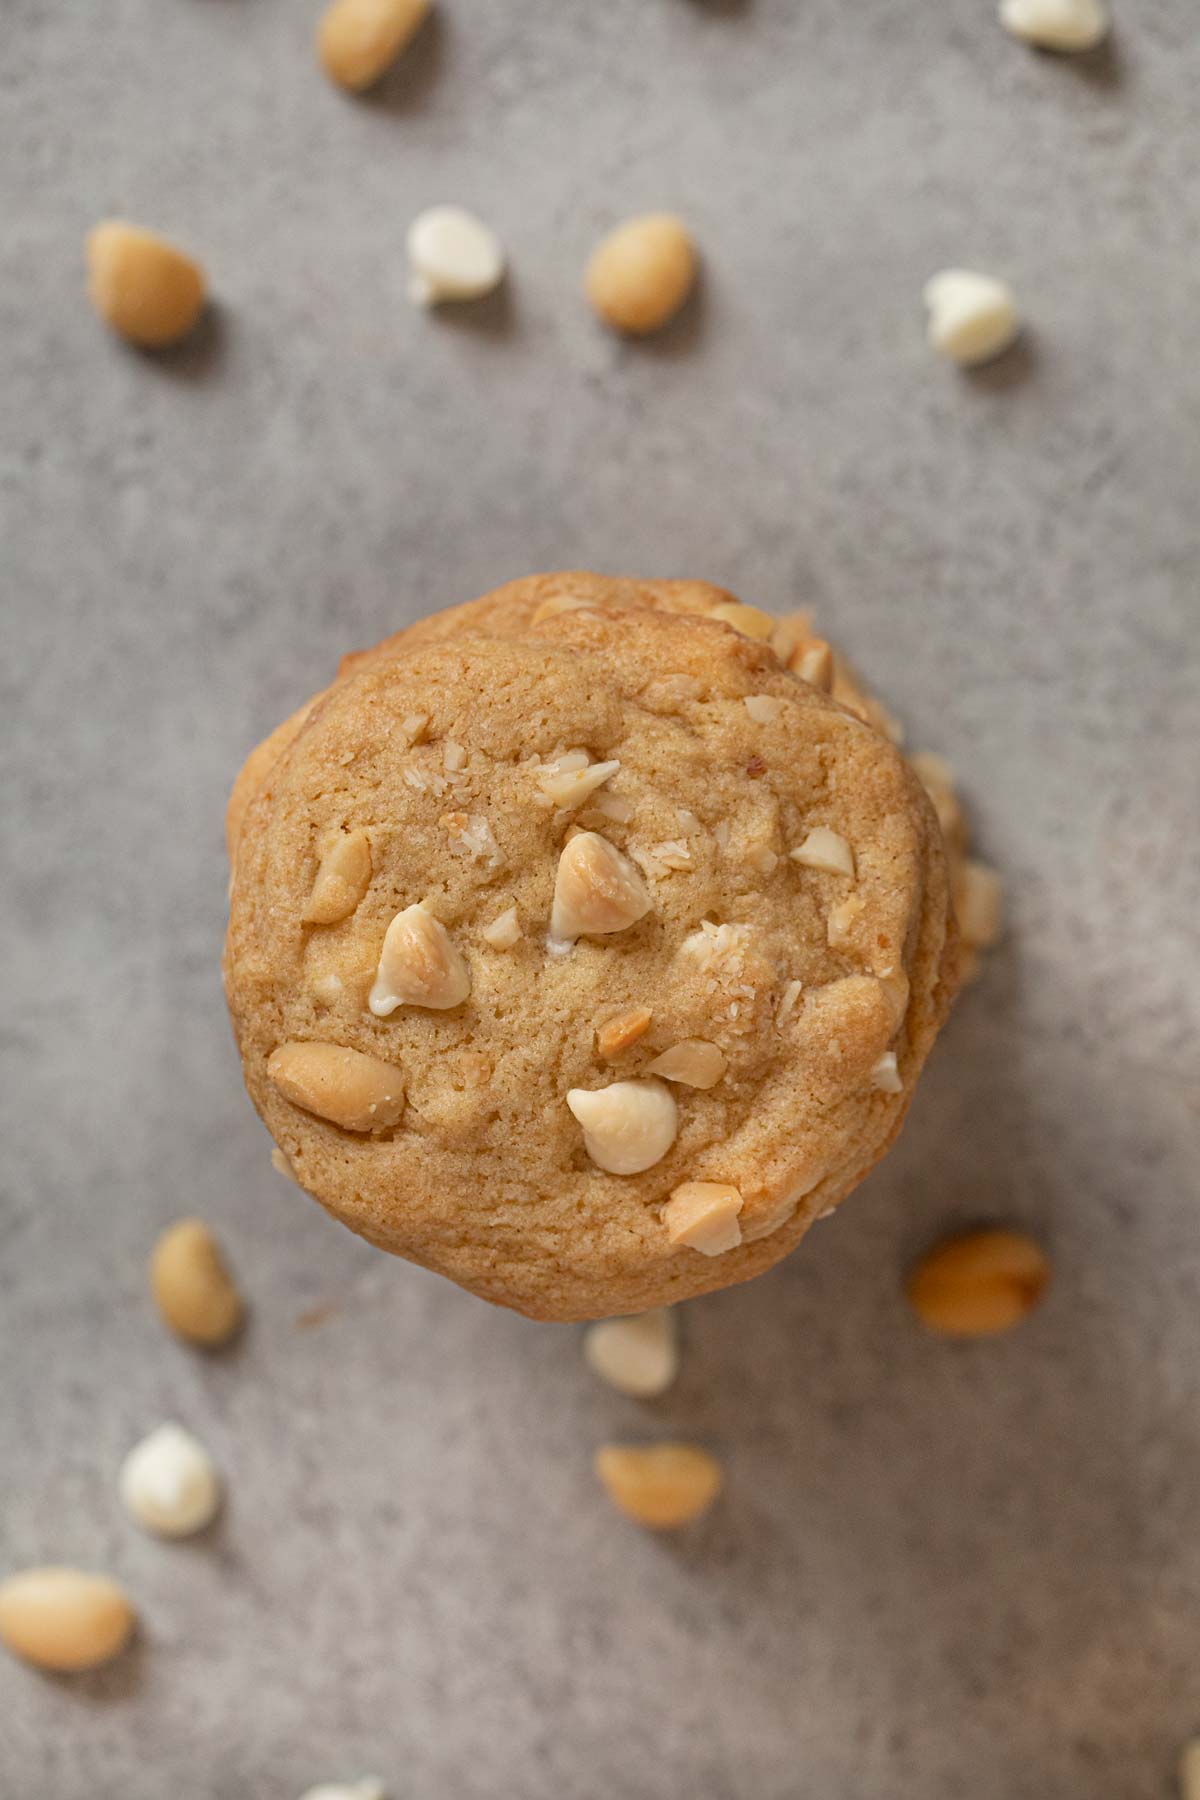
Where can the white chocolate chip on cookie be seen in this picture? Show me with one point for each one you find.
(597, 890)
(628, 1126)
(419, 965)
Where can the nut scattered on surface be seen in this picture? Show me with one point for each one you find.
(504, 931)
(980, 1283)
(1056, 24)
(64, 1619)
(143, 287)
(570, 780)
(639, 276)
(979, 903)
(192, 1286)
(886, 1074)
(825, 850)
(454, 757)
(638, 1356)
(596, 891)
(359, 40)
(357, 1092)
(169, 1483)
(763, 708)
(369, 1788)
(692, 1062)
(660, 1485)
(628, 1126)
(342, 879)
(788, 1001)
(704, 1216)
(618, 1034)
(452, 255)
(418, 966)
(971, 317)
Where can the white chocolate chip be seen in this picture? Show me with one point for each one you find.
(418, 966)
(886, 1075)
(453, 256)
(692, 1062)
(281, 1165)
(1056, 24)
(703, 1215)
(504, 931)
(369, 1788)
(763, 708)
(568, 784)
(638, 1356)
(596, 891)
(169, 1484)
(826, 850)
(628, 1126)
(971, 317)
(978, 901)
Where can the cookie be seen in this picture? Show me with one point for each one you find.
(579, 949)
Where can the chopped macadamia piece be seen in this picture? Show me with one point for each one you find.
(825, 850)
(703, 1215)
(617, 1034)
(763, 708)
(503, 932)
(692, 1062)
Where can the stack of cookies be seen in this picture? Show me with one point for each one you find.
(587, 941)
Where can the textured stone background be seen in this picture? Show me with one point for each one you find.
(940, 1571)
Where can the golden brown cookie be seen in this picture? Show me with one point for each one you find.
(580, 950)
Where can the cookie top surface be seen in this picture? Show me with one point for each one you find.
(520, 853)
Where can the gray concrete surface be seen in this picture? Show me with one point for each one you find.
(940, 1571)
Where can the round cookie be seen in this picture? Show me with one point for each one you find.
(428, 1052)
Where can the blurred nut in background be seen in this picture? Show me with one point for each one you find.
(143, 287)
(64, 1619)
(359, 40)
(192, 1286)
(452, 255)
(979, 1284)
(972, 317)
(639, 276)
(663, 1486)
(169, 1484)
(637, 1356)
